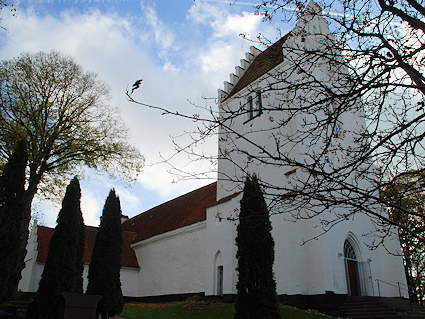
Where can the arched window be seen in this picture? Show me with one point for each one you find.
(349, 252)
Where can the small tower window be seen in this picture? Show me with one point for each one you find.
(250, 108)
(254, 106)
(260, 103)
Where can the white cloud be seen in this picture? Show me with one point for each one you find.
(45, 212)
(232, 35)
(162, 34)
(205, 13)
(213, 64)
(129, 201)
(111, 45)
(91, 206)
(235, 23)
(223, 23)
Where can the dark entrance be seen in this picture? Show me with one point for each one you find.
(351, 269)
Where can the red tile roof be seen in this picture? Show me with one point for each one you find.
(44, 234)
(128, 257)
(182, 211)
(263, 63)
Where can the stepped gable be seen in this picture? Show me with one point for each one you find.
(128, 257)
(182, 211)
(263, 63)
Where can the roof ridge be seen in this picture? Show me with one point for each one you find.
(88, 226)
(173, 199)
(184, 210)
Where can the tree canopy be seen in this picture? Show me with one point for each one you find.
(64, 114)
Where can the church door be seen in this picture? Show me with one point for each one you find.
(353, 278)
(351, 269)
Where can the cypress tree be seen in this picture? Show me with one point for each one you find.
(105, 264)
(63, 270)
(12, 192)
(256, 288)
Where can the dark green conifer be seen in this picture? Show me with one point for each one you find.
(105, 264)
(12, 192)
(256, 288)
(63, 270)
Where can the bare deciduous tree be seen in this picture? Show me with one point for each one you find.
(334, 111)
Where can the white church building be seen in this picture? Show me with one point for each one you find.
(187, 245)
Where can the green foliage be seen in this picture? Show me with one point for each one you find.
(182, 311)
(406, 196)
(105, 264)
(256, 288)
(63, 270)
(65, 115)
(12, 191)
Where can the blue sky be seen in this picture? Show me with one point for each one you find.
(183, 49)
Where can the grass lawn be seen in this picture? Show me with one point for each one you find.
(197, 310)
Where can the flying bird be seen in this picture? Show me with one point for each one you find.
(136, 85)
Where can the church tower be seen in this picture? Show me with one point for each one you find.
(265, 132)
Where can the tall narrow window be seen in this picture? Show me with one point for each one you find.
(250, 108)
(260, 103)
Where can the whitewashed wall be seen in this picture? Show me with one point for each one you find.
(172, 263)
(301, 266)
(31, 275)
(128, 277)
(221, 234)
(307, 268)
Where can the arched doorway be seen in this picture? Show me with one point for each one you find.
(352, 270)
(218, 274)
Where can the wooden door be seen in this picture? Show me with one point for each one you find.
(353, 278)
